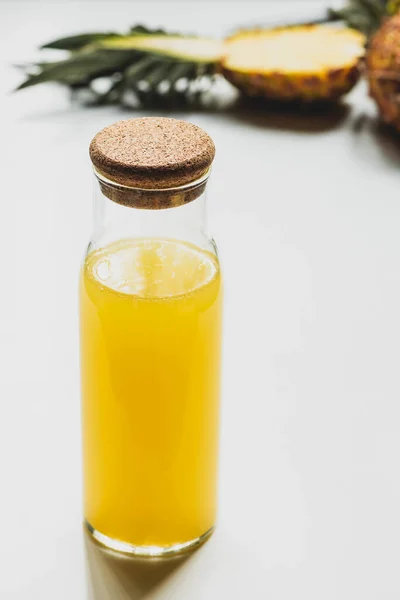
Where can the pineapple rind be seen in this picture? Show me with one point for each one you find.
(282, 86)
(185, 48)
(383, 70)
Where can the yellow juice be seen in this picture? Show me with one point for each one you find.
(150, 347)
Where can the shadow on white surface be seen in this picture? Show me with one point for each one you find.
(217, 569)
(113, 576)
(290, 116)
(258, 113)
(377, 140)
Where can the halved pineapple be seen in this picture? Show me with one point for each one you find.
(306, 63)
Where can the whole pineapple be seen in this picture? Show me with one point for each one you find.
(383, 69)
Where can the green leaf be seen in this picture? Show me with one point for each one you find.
(76, 42)
(112, 95)
(81, 68)
(139, 69)
(157, 75)
(364, 15)
(393, 7)
(178, 72)
(148, 62)
(142, 30)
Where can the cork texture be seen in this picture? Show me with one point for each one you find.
(152, 152)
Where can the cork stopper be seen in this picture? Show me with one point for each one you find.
(151, 162)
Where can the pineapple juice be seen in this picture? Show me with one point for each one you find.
(151, 327)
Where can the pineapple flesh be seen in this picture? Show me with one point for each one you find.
(304, 63)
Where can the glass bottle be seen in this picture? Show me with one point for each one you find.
(151, 303)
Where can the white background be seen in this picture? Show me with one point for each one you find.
(306, 212)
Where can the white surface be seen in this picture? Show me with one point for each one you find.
(307, 216)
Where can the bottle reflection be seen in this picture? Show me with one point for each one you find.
(114, 576)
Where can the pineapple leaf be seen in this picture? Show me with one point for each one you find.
(137, 71)
(157, 75)
(112, 95)
(393, 6)
(76, 42)
(153, 65)
(364, 15)
(178, 71)
(80, 68)
(142, 30)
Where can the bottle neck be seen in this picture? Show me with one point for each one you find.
(116, 220)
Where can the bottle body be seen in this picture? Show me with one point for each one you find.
(151, 310)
